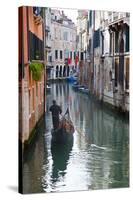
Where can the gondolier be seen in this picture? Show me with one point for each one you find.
(56, 111)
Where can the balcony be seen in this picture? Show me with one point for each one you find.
(116, 17)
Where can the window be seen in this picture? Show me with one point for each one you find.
(65, 36)
(116, 71)
(127, 74)
(56, 54)
(56, 33)
(50, 58)
(37, 10)
(111, 41)
(96, 38)
(36, 47)
(102, 44)
(116, 42)
(127, 39)
(61, 54)
(90, 18)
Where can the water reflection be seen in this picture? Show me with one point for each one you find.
(60, 156)
(98, 158)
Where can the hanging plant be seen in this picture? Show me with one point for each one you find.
(37, 69)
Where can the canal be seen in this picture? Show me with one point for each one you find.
(98, 158)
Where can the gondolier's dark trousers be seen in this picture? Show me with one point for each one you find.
(55, 121)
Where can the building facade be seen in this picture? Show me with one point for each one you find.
(107, 56)
(82, 45)
(31, 53)
(48, 42)
(116, 59)
(63, 45)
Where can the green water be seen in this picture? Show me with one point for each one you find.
(97, 158)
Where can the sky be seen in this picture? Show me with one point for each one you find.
(71, 13)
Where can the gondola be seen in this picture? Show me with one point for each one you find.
(65, 131)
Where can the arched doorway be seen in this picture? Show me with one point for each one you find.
(60, 71)
(64, 71)
(68, 69)
(57, 69)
